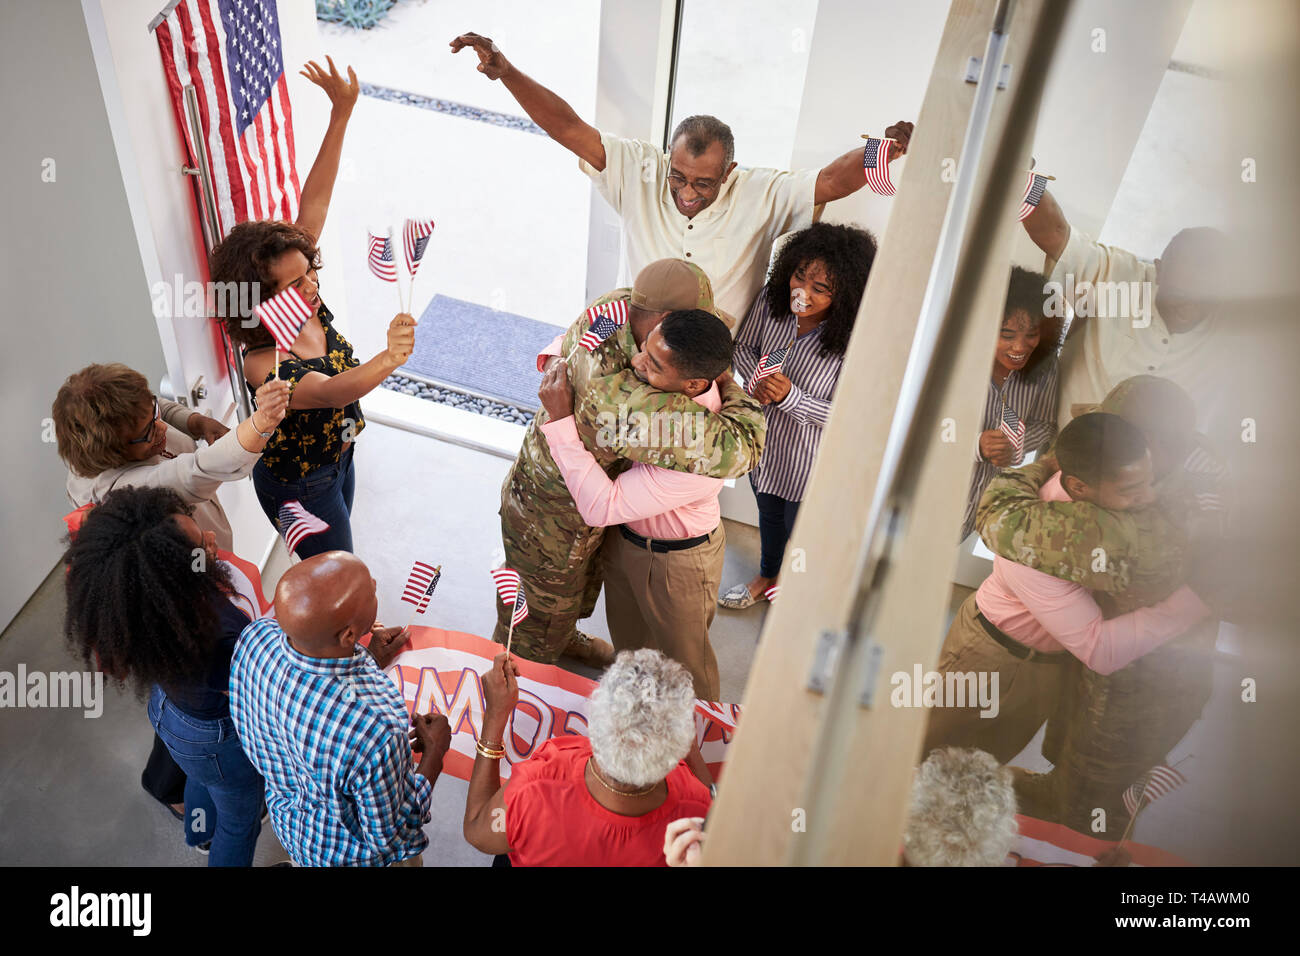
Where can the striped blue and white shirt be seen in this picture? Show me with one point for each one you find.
(331, 737)
(794, 425)
(1033, 399)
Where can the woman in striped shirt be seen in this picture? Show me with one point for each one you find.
(1022, 391)
(806, 310)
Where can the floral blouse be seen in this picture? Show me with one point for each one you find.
(310, 438)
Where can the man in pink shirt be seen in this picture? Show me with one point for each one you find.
(663, 568)
(1021, 623)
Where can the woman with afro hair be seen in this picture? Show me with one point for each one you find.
(150, 602)
(806, 310)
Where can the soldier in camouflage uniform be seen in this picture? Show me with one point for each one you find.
(545, 538)
(1109, 730)
(1030, 659)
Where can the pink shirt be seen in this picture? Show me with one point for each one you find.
(1051, 615)
(546, 353)
(654, 502)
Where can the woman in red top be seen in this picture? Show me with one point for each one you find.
(602, 800)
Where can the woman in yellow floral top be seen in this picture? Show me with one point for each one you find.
(309, 459)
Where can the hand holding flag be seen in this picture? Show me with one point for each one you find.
(1011, 425)
(875, 164)
(769, 364)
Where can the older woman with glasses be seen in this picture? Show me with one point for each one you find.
(600, 800)
(310, 458)
(113, 431)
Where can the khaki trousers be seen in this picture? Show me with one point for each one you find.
(1027, 692)
(665, 601)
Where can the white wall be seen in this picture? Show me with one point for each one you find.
(73, 285)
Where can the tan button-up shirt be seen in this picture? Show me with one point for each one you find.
(731, 239)
(1110, 348)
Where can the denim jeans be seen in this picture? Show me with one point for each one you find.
(325, 492)
(775, 522)
(218, 776)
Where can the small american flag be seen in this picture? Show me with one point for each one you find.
(1155, 783)
(420, 584)
(600, 330)
(296, 523)
(415, 237)
(283, 315)
(616, 310)
(772, 592)
(1011, 426)
(1035, 186)
(511, 589)
(770, 364)
(381, 257)
(875, 162)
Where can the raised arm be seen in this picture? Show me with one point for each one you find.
(313, 389)
(844, 176)
(1047, 227)
(318, 188)
(485, 802)
(1071, 540)
(543, 107)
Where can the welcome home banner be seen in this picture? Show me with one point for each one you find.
(440, 672)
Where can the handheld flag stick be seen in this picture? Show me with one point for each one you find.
(277, 361)
(397, 276)
(510, 636)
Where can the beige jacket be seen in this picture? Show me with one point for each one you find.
(194, 473)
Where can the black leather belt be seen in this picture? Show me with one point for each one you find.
(1013, 646)
(660, 544)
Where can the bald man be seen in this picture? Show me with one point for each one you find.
(327, 729)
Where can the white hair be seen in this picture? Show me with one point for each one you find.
(963, 811)
(642, 717)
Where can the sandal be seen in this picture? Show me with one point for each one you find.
(738, 598)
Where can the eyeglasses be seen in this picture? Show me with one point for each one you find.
(148, 435)
(705, 187)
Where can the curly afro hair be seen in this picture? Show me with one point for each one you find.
(1025, 294)
(847, 253)
(244, 257)
(137, 608)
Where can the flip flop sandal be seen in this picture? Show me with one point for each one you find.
(738, 598)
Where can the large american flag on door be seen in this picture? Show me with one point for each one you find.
(230, 51)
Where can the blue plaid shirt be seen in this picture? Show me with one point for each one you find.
(331, 737)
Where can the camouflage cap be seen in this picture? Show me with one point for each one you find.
(1153, 404)
(667, 285)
